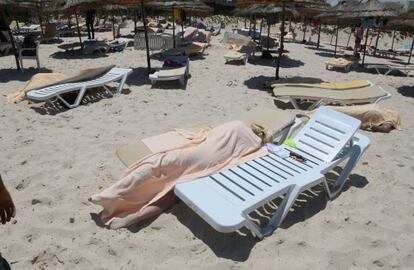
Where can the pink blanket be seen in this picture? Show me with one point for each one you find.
(151, 178)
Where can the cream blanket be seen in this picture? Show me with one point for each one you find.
(37, 81)
(151, 178)
(370, 114)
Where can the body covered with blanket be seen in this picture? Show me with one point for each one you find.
(147, 182)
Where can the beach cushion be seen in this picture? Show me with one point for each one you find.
(355, 84)
(371, 92)
(173, 72)
(273, 121)
(340, 62)
(232, 55)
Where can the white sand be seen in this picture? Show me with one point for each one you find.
(52, 163)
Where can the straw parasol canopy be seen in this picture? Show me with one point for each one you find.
(261, 10)
(401, 24)
(285, 4)
(350, 12)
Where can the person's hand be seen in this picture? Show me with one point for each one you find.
(7, 209)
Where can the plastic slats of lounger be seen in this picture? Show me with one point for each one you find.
(266, 179)
(299, 166)
(326, 134)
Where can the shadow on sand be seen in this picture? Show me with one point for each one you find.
(76, 54)
(406, 91)
(237, 246)
(7, 75)
(92, 96)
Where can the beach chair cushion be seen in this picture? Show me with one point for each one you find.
(274, 121)
(173, 72)
(340, 62)
(233, 55)
(371, 92)
(326, 85)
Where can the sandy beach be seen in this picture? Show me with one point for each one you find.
(53, 159)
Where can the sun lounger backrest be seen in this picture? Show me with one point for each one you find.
(326, 133)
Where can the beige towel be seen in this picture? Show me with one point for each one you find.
(42, 80)
(151, 178)
(370, 114)
(37, 81)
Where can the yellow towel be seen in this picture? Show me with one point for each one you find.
(344, 85)
(347, 85)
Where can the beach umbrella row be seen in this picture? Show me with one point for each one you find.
(285, 5)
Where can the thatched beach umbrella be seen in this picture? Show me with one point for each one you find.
(310, 11)
(371, 9)
(335, 13)
(76, 6)
(167, 5)
(404, 25)
(16, 6)
(284, 4)
(265, 10)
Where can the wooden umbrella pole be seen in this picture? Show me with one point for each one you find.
(336, 39)
(260, 33)
(40, 19)
(93, 24)
(75, 9)
(365, 47)
(376, 41)
(3, 15)
(268, 35)
(254, 27)
(281, 49)
(144, 21)
(113, 25)
(393, 38)
(135, 21)
(411, 51)
(245, 22)
(349, 38)
(173, 19)
(305, 27)
(182, 30)
(319, 36)
(88, 26)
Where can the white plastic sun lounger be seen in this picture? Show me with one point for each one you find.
(225, 200)
(390, 68)
(370, 94)
(115, 74)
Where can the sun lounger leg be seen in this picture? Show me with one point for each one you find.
(78, 100)
(38, 62)
(346, 171)
(282, 211)
(388, 72)
(121, 84)
(294, 103)
(316, 104)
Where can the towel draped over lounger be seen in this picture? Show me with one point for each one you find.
(370, 114)
(43, 80)
(151, 178)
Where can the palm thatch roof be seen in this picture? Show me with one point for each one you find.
(261, 10)
(194, 7)
(350, 12)
(401, 24)
(265, 7)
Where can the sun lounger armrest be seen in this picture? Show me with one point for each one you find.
(359, 143)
